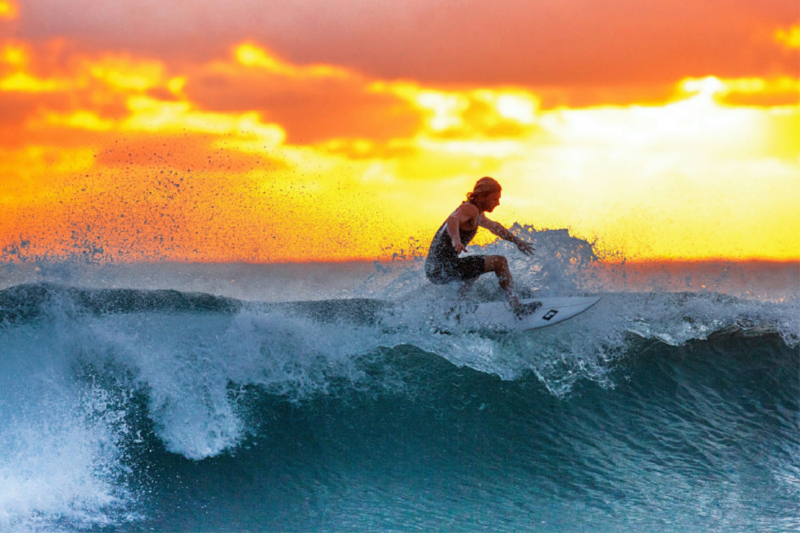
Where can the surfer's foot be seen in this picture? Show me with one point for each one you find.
(524, 310)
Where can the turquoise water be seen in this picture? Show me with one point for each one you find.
(158, 398)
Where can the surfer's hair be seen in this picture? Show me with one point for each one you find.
(484, 187)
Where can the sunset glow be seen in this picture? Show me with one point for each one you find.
(245, 154)
(789, 37)
(8, 10)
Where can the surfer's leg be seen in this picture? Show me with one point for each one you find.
(468, 270)
(499, 265)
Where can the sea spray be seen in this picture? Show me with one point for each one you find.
(62, 453)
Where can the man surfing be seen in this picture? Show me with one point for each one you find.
(443, 265)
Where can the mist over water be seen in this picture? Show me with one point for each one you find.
(337, 397)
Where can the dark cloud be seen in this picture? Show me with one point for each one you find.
(16, 108)
(537, 42)
(309, 109)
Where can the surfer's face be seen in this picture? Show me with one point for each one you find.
(489, 202)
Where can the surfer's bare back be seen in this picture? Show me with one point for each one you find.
(443, 264)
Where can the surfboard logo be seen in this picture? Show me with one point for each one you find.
(550, 314)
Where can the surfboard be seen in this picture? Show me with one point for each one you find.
(498, 316)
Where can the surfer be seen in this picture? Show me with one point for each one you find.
(443, 265)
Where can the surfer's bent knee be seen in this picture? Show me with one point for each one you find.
(495, 263)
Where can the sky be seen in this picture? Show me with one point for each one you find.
(307, 130)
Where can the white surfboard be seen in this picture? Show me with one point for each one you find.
(498, 316)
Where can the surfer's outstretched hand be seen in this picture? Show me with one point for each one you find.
(526, 248)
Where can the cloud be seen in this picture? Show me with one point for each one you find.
(250, 85)
(521, 42)
(312, 103)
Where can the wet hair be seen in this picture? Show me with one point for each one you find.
(484, 187)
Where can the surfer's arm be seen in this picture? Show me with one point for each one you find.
(464, 213)
(498, 229)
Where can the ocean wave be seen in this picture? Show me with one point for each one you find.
(108, 396)
(79, 362)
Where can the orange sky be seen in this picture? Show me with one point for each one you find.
(235, 131)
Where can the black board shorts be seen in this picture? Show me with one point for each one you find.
(456, 269)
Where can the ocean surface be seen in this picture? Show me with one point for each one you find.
(338, 398)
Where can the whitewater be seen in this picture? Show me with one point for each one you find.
(340, 397)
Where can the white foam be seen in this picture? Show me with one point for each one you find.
(59, 443)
